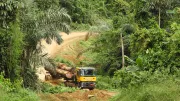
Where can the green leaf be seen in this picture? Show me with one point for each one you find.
(139, 62)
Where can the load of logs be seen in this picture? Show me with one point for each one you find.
(61, 71)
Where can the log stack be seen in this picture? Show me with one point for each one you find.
(62, 71)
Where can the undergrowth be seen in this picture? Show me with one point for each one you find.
(168, 90)
(47, 88)
(80, 27)
(146, 86)
(14, 92)
(62, 60)
(104, 82)
(142, 85)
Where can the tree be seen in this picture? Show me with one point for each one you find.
(11, 39)
(8, 12)
(126, 29)
(161, 5)
(36, 24)
(159, 8)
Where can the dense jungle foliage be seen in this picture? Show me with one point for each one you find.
(137, 46)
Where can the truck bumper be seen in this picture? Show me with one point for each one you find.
(90, 85)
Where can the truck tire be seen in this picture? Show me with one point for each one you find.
(91, 88)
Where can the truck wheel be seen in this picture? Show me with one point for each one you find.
(91, 88)
(79, 84)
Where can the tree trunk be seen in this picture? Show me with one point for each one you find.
(122, 48)
(159, 17)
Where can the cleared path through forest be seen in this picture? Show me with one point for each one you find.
(54, 49)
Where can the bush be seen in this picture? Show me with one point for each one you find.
(62, 60)
(130, 76)
(14, 92)
(125, 78)
(147, 86)
(47, 88)
(80, 27)
(111, 71)
(20, 95)
(104, 82)
(167, 90)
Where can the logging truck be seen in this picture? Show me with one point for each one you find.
(82, 77)
(85, 77)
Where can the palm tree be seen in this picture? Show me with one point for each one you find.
(161, 6)
(126, 29)
(37, 25)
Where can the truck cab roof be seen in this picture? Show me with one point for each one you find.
(86, 68)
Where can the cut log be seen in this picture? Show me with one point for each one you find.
(61, 80)
(48, 77)
(66, 68)
(61, 70)
(69, 75)
(51, 70)
(65, 73)
(59, 65)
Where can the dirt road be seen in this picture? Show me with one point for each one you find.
(80, 95)
(53, 49)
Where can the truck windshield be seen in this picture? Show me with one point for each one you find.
(87, 72)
